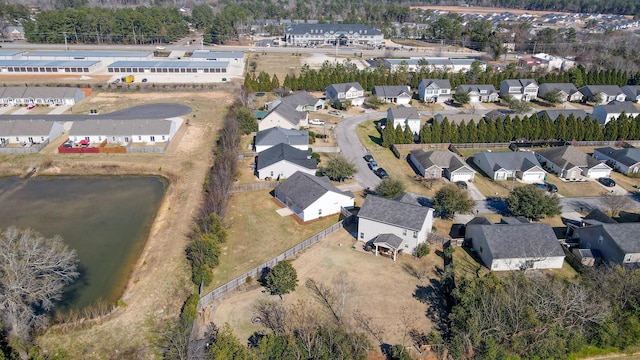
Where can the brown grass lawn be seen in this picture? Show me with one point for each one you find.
(245, 172)
(490, 188)
(280, 64)
(467, 153)
(257, 233)
(626, 182)
(575, 189)
(382, 289)
(465, 265)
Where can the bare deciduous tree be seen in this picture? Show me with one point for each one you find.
(614, 203)
(365, 322)
(33, 273)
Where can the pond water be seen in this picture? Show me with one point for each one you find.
(105, 219)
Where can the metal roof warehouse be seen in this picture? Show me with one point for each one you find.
(48, 66)
(168, 67)
(107, 56)
(217, 56)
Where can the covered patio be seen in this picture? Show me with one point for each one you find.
(389, 242)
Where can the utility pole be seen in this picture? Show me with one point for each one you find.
(66, 47)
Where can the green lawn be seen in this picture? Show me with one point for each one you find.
(257, 233)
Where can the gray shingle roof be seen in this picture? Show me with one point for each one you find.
(489, 89)
(599, 217)
(553, 114)
(390, 240)
(302, 29)
(591, 90)
(568, 156)
(632, 91)
(568, 88)
(301, 98)
(441, 83)
(519, 82)
(278, 135)
(618, 107)
(35, 92)
(286, 152)
(391, 91)
(628, 156)
(625, 236)
(404, 112)
(304, 189)
(441, 158)
(105, 127)
(479, 220)
(519, 160)
(521, 241)
(26, 127)
(289, 113)
(394, 212)
(344, 87)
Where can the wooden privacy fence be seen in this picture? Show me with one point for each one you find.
(256, 272)
(254, 186)
(434, 238)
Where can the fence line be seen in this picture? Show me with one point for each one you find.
(254, 186)
(438, 239)
(24, 150)
(258, 270)
(148, 149)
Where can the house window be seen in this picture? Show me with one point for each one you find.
(153, 138)
(404, 231)
(319, 212)
(113, 138)
(627, 258)
(162, 137)
(481, 249)
(272, 174)
(140, 138)
(42, 138)
(600, 238)
(361, 235)
(415, 234)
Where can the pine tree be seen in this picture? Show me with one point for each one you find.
(508, 129)
(482, 131)
(388, 134)
(399, 135)
(425, 134)
(463, 133)
(407, 135)
(436, 132)
(472, 130)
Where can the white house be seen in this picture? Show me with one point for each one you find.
(479, 93)
(613, 110)
(550, 62)
(124, 132)
(570, 163)
(282, 160)
(331, 34)
(347, 91)
(567, 91)
(400, 95)
(404, 116)
(395, 225)
(520, 89)
(266, 139)
(506, 165)
(34, 95)
(508, 247)
(626, 161)
(440, 163)
(632, 92)
(310, 197)
(603, 94)
(434, 90)
(290, 112)
(28, 132)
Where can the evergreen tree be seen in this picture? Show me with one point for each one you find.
(561, 128)
(425, 134)
(482, 131)
(508, 129)
(388, 134)
(463, 133)
(407, 135)
(436, 132)
(472, 130)
(399, 135)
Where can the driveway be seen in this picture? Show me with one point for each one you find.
(353, 150)
(474, 192)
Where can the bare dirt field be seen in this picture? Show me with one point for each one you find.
(160, 281)
(483, 10)
(408, 303)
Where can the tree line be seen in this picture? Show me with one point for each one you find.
(508, 129)
(142, 25)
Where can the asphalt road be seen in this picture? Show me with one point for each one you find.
(150, 111)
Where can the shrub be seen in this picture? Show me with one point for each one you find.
(190, 309)
(422, 250)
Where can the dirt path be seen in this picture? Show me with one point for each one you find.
(160, 281)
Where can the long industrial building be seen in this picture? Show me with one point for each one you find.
(49, 66)
(168, 67)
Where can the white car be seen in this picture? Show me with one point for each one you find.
(160, 47)
(316, 122)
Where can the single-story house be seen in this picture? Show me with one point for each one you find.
(265, 139)
(34, 95)
(579, 114)
(613, 110)
(632, 92)
(440, 163)
(458, 118)
(404, 116)
(603, 94)
(303, 101)
(567, 91)
(352, 91)
(434, 90)
(124, 132)
(282, 160)
(28, 132)
(626, 161)
(393, 225)
(570, 163)
(519, 89)
(285, 115)
(310, 197)
(400, 95)
(617, 243)
(522, 246)
(479, 93)
(505, 165)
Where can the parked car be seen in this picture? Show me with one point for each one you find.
(316, 122)
(373, 165)
(144, 80)
(30, 107)
(551, 187)
(115, 81)
(368, 158)
(607, 181)
(68, 144)
(461, 184)
(382, 173)
(541, 186)
(335, 112)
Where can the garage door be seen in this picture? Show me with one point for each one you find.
(594, 174)
(533, 177)
(462, 177)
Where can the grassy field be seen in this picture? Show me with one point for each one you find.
(280, 64)
(257, 233)
(575, 189)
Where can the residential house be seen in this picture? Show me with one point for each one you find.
(617, 243)
(400, 95)
(440, 163)
(566, 113)
(551, 63)
(13, 33)
(520, 246)
(35, 95)
(404, 116)
(507, 165)
(613, 110)
(520, 89)
(332, 34)
(438, 64)
(310, 197)
(603, 94)
(567, 91)
(479, 93)
(393, 225)
(28, 132)
(632, 92)
(352, 91)
(458, 118)
(124, 132)
(434, 90)
(290, 112)
(626, 161)
(282, 160)
(570, 163)
(266, 139)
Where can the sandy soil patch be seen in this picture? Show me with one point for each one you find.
(160, 281)
(382, 289)
(484, 10)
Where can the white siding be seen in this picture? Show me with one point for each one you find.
(328, 204)
(261, 148)
(282, 169)
(537, 263)
(533, 176)
(274, 119)
(368, 229)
